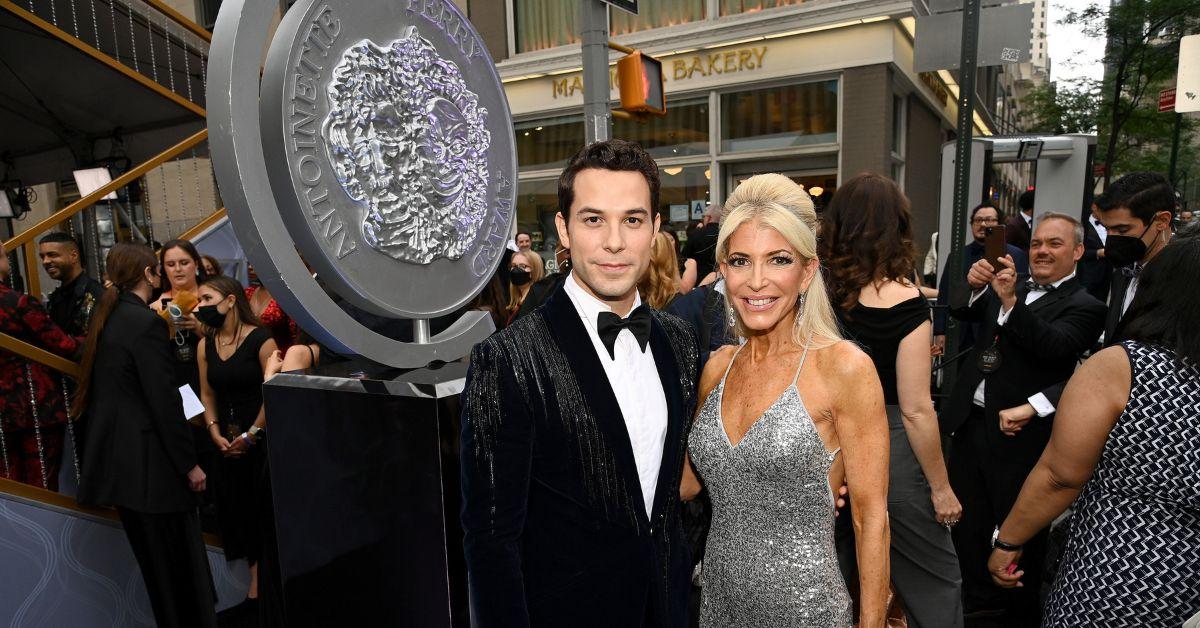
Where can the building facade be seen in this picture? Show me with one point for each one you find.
(819, 91)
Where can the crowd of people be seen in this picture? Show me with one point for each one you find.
(738, 431)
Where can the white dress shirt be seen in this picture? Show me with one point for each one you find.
(633, 376)
(1039, 401)
(1100, 229)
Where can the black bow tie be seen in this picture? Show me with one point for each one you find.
(609, 325)
(1034, 286)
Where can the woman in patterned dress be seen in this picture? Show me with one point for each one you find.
(1127, 435)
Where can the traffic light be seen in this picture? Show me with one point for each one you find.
(640, 81)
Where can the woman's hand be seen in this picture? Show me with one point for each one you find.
(197, 481)
(215, 433)
(274, 363)
(238, 447)
(947, 510)
(1003, 567)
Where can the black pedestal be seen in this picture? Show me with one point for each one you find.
(364, 474)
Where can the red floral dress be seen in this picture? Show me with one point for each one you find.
(283, 328)
(24, 318)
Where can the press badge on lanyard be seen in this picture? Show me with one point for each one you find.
(989, 360)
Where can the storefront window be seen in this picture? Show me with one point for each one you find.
(781, 117)
(683, 196)
(657, 14)
(541, 24)
(683, 131)
(537, 203)
(730, 7)
(548, 142)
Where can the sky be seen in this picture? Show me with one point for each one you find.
(1072, 54)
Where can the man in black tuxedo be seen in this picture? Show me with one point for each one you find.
(1019, 226)
(1032, 334)
(1095, 272)
(574, 426)
(1136, 213)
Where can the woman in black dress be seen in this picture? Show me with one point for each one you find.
(867, 246)
(139, 455)
(233, 360)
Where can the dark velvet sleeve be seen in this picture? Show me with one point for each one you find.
(496, 458)
(151, 353)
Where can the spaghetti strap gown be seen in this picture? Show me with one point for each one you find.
(770, 559)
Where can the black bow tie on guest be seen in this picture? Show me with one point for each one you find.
(1034, 286)
(609, 325)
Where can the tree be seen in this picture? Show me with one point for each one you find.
(1141, 56)
(1068, 106)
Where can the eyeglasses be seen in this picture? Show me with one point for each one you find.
(985, 221)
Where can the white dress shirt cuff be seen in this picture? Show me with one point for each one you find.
(1003, 317)
(975, 295)
(1042, 405)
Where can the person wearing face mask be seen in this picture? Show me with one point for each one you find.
(540, 291)
(1137, 212)
(138, 453)
(523, 271)
(233, 358)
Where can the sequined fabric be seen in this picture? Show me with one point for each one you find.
(770, 559)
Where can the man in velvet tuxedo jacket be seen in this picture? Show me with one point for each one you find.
(574, 421)
(1032, 334)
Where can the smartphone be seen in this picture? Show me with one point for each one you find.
(995, 246)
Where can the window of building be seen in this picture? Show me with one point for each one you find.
(657, 14)
(541, 24)
(548, 142)
(682, 132)
(780, 117)
(681, 188)
(731, 7)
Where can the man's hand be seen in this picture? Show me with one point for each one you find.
(1004, 283)
(196, 479)
(980, 274)
(840, 502)
(1013, 419)
(939, 345)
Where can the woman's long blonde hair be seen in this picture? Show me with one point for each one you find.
(775, 201)
(514, 293)
(661, 283)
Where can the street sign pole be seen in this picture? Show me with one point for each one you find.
(597, 120)
(962, 179)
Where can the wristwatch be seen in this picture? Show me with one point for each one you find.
(998, 544)
(255, 433)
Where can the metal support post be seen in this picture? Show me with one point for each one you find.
(962, 176)
(597, 121)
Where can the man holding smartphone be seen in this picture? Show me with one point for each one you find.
(984, 218)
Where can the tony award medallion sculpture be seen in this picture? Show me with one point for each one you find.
(377, 148)
(381, 144)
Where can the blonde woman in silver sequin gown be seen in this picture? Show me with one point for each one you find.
(791, 407)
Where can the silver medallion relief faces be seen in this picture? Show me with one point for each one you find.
(389, 146)
(409, 141)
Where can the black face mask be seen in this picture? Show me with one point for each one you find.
(519, 276)
(210, 316)
(1123, 250)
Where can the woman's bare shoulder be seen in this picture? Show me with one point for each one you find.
(714, 369)
(847, 362)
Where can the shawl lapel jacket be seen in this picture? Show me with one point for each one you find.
(555, 526)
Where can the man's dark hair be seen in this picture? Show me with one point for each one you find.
(60, 237)
(615, 155)
(1166, 309)
(1143, 193)
(1025, 200)
(975, 210)
(525, 233)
